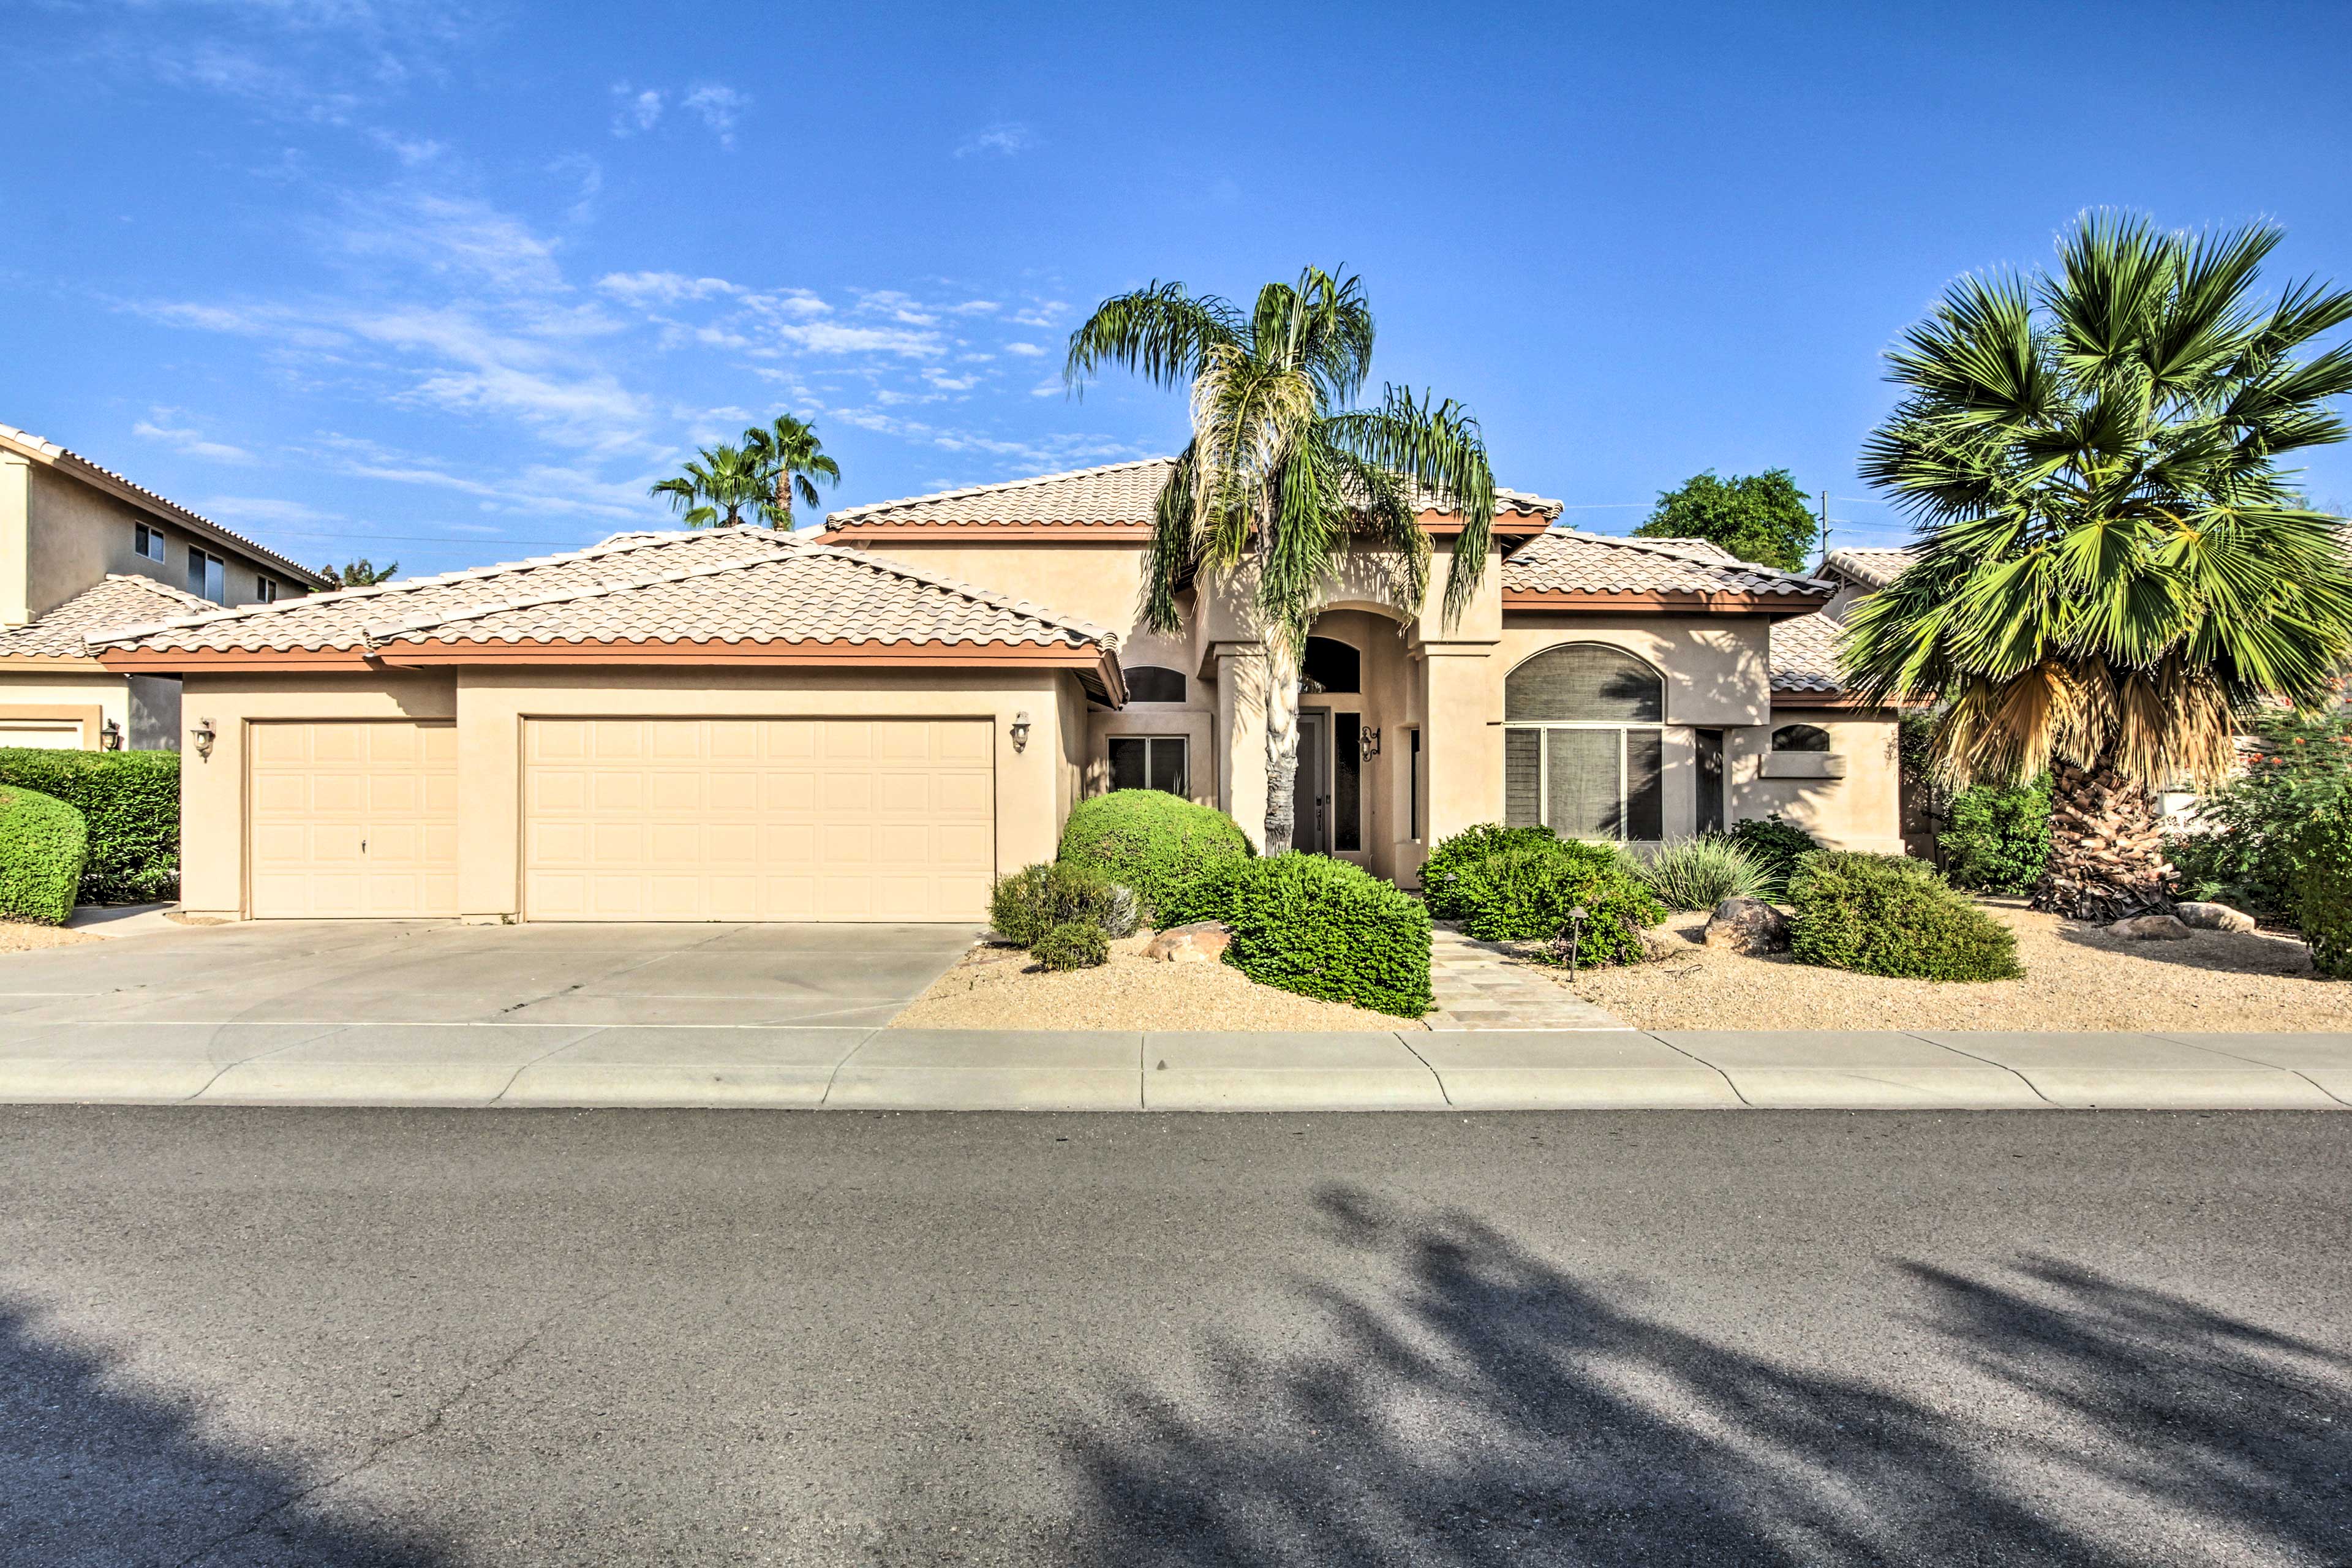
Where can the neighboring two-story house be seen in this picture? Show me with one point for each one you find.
(739, 725)
(81, 549)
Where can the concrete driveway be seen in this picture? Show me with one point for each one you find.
(347, 972)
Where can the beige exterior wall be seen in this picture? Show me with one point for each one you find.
(73, 536)
(1862, 810)
(1032, 784)
(24, 694)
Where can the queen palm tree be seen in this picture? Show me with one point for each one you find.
(718, 486)
(796, 460)
(2112, 568)
(1285, 473)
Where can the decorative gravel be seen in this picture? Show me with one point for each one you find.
(999, 988)
(20, 936)
(2076, 977)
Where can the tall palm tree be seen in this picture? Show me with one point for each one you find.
(796, 459)
(2112, 568)
(718, 486)
(1286, 473)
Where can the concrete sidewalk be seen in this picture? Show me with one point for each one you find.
(322, 1061)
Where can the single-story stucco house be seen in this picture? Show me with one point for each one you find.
(735, 724)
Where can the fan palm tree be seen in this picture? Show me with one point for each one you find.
(718, 486)
(796, 459)
(2112, 568)
(1285, 472)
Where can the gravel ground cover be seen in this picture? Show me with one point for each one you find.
(2076, 977)
(22, 936)
(1000, 988)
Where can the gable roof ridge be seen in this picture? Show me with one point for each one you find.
(978, 596)
(648, 539)
(831, 519)
(1658, 547)
(154, 586)
(370, 634)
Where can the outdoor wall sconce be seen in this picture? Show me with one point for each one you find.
(109, 736)
(1370, 739)
(203, 737)
(1021, 730)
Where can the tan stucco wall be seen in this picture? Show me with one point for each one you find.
(1861, 811)
(75, 535)
(110, 694)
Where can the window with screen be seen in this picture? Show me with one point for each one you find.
(1584, 744)
(1150, 683)
(1149, 762)
(1801, 738)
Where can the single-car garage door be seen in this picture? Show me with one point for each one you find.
(353, 819)
(758, 819)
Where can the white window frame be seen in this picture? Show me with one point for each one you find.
(212, 566)
(265, 590)
(1183, 744)
(144, 535)
(1624, 769)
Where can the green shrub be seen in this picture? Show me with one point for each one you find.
(1998, 839)
(1206, 895)
(1323, 927)
(2250, 837)
(131, 801)
(2320, 892)
(1073, 944)
(1773, 843)
(43, 842)
(1149, 840)
(1526, 895)
(1033, 900)
(1440, 874)
(1889, 914)
(1698, 873)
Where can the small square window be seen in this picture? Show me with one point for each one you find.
(265, 591)
(1149, 762)
(147, 543)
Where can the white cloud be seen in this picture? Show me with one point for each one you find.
(719, 108)
(590, 174)
(181, 439)
(831, 338)
(635, 110)
(662, 288)
(413, 151)
(1040, 313)
(1026, 351)
(1005, 139)
(452, 235)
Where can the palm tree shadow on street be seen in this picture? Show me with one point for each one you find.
(1487, 1406)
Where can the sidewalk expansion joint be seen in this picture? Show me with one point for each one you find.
(1988, 1061)
(1442, 1092)
(1728, 1081)
(834, 1077)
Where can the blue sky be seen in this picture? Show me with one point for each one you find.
(453, 283)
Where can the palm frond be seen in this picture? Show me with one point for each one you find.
(1160, 331)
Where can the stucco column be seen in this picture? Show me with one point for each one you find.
(489, 786)
(1462, 736)
(1241, 726)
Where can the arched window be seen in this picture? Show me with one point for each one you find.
(1150, 683)
(1801, 738)
(1331, 666)
(1584, 744)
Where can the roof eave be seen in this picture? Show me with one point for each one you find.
(1779, 607)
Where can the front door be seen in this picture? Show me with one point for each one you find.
(1313, 799)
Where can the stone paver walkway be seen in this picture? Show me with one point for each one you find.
(1479, 986)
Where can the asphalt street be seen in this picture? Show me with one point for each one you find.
(252, 1336)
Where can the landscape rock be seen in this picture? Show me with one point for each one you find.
(1203, 941)
(1748, 925)
(2151, 928)
(2214, 917)
(1657, 944)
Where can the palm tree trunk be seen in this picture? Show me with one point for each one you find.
(1281, 752)
(2106, 847)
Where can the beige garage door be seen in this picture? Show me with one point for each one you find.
(353, 819)
(758, 819)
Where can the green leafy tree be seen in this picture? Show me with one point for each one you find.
(2112, 570)
(719, 485)
(359, 573)
(796, 460)
(1286, 472)
(1760, 517)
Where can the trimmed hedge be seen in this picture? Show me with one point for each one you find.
(1033, 900)
(1527, 894)
(1774, 842)
(1998, 839)
(1440, 874)
(1073, 944)
(1889, 914)
(130, 803)
(1318, 927)
(1149, 840)
(43, 842)
(2319, 888)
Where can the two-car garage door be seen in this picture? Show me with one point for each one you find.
(637, 819)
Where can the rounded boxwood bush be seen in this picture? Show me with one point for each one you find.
(1529, 894)
(1889, 914)
(1440, 874)
(1998, 839)
(1149, 840)
(1033, 900)
(1073, 944)
(1774, 842)
(129, 803)
(43, 842)
(1320, 927)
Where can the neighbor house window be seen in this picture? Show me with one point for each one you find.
(1584, 744)
(265, 590)
(147, 542)
(1149, 762)
(208, 575)
(1150, 683)
(1801, 738)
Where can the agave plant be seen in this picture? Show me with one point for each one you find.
(2112, 568)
